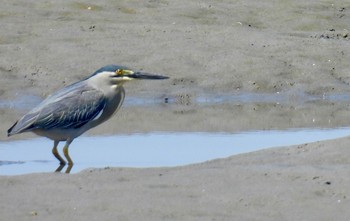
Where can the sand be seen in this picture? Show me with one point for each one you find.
(305, 182)
(294, 52)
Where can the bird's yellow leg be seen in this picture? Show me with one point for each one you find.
(56, 154)
(66, 153)
(69, 168)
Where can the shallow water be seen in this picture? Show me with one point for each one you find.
(161, 149)
(150, 150)
(26, 102)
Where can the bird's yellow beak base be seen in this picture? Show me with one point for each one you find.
(122, 72)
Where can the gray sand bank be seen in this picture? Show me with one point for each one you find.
(295, 49)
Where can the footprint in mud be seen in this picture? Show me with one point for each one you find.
(185, 104)
(183, 99)
(183, 81)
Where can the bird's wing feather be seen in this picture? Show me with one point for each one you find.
(70, 108)
(71, 112)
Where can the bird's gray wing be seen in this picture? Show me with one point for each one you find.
(70, 108)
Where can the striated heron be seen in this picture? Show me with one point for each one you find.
(72, 110)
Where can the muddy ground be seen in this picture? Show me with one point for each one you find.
(296, 53)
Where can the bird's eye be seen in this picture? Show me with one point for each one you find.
(119, 72)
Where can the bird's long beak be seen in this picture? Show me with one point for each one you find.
(127, 75)
(144, 75)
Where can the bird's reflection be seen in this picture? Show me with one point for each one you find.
(61, 166)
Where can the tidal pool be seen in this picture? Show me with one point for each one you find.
(150, 150)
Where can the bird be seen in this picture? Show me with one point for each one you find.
(69, 112)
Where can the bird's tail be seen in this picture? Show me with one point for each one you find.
(9, 131)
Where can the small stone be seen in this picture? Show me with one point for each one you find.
(34, 213)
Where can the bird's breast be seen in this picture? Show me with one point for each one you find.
(114, 101)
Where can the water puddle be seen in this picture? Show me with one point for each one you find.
(151, 150)
(26, 102)
(23, 102)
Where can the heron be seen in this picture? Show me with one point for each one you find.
(69, 112)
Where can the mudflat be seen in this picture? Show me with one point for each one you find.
(295, 53)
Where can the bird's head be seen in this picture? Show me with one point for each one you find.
(117, 75)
